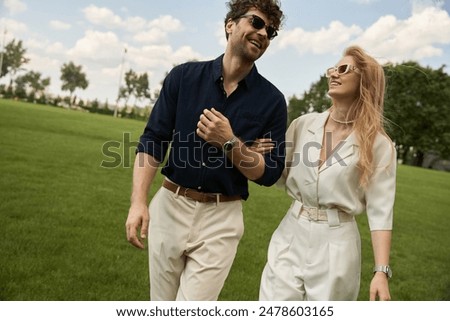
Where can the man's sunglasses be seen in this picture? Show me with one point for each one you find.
(341, 70)
(259, 23)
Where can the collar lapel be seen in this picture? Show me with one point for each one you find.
(315, 139)
(344, 150)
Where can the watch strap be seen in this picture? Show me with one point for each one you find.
(386, 269)
(230, 143)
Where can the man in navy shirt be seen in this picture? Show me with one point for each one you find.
(207, 116)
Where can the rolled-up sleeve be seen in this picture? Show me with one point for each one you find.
(380, 194)
(159, 129)
(275, 160)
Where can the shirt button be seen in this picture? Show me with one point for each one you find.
(203, 164)
(199, 187)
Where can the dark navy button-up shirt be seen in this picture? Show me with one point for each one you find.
(256, 109)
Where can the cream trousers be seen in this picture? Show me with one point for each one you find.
(192, 246)
(313, 261)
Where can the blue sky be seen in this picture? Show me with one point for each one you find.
(159, 34)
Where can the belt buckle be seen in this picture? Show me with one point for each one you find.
(313, 214)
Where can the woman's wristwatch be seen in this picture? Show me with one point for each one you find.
(383, 268)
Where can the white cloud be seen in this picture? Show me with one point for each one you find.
(428, 51)
(167, 23)
(220, 34)
(156, 60)
(134, 24)
(59, 25)
(56, 48)
(152, 56)
(112, 72)
(389, 38)
(153, 31)
(37, 61)
(36, 44)
(154, 35)
(325, 40)
(103, 17)
(161, 56)
(415, 38)
(12, 27)
(157, 30)
(102, 47)
(421, 5)
(185, 53)
(14, 6)
(43, 47)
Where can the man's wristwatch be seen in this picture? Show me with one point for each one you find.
(230, 144)
(383, 268)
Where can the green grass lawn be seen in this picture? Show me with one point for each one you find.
(62, 216)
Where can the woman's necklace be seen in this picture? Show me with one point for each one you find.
(343, 122)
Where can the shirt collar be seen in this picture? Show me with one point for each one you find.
(248, 80)
(319, 123)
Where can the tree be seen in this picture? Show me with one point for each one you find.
(417, 107)
(73, 78)
(13, 59)
(142, 90)
(316, 99)
(136, 85)
(31, 83)
(130, 85)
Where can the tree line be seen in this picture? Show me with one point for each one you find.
(32, 87)
(417, 100)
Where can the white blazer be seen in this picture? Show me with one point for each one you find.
(336, 183)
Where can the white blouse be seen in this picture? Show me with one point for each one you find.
(336, 183)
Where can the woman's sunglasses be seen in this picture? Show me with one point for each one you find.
(341, 70)
(259, 23)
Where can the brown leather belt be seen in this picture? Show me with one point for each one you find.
(198, 196)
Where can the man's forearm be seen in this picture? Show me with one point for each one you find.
(250, 163)
(144, 171)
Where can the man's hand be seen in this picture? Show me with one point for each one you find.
(214, 127)
(138, 218)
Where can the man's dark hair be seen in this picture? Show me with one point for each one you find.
(271, 8)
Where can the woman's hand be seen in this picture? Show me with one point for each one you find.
(379, 287)
(262, 145)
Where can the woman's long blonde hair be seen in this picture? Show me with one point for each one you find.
(367, 110)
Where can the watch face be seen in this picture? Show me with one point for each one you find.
(227, 146)
(389, 272)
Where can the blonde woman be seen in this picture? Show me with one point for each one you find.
(339, 164)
